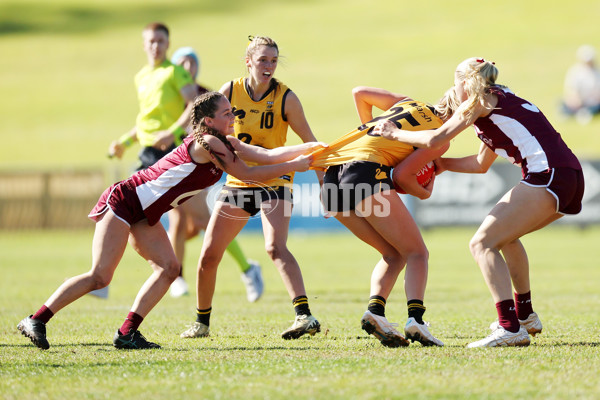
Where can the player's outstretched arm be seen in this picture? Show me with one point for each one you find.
(224, 159)
(271, 156)
(476, 164)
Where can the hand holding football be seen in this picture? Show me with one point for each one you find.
(423, 176)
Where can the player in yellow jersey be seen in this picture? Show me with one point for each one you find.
(264, 108)
(358, 191)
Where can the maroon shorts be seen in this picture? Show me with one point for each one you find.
(565, 184)
(123, 201)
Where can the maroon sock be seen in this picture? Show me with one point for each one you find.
(523, 304)
(133, 321)
(507, 315)
(43, 314)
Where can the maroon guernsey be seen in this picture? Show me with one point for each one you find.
(151, 192)
(518, 131)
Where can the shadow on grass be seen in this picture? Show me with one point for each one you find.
(29, 344)
(109, 347)
(45, 17)
(566, 344)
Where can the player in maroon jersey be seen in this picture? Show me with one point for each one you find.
(552, 186)
(187, 221)
(130, 209)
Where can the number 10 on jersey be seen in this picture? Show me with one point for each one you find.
(266, 120)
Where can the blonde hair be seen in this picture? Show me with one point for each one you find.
(447, 105)
(479, 76)
(257, 41)
(254, 44)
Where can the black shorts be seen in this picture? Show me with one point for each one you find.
(149, 156)
(249, 199)
(346, 185)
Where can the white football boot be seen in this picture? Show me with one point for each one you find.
(302, 324)
(420, 333)
(532, 324)
(197, 330)
(100, 293)
(500, 337)
(383, 330)
(179, 287)
(253, 281)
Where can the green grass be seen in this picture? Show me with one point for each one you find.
(245, 357)
(67, 91)
(68, 65)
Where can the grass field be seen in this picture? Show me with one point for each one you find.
(246, 358)
(67, 91)
(68, 65)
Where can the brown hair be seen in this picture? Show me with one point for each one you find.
(157, 26)
(206, 105)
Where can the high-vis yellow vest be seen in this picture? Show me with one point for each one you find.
(159, 96)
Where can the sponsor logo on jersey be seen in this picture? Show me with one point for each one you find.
(380, 175)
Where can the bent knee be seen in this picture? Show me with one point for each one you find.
(479, 245)
(420, 256)
(210, 260)
(276, 251)
(171, 269)
(393, 258)
(100, 281)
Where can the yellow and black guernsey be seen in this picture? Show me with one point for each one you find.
(260, 123)
(361, 145)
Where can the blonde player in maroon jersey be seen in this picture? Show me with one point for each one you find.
(552, 186)
(130, 210)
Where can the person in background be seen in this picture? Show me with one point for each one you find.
(195, 212)
(552, 186)
(264, 108)
(130, 211)
(581, 96)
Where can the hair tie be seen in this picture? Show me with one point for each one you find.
(482, 60)
(250, 39)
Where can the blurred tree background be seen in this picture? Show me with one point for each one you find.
(67, 68)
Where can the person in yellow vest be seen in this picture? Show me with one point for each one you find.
(358, 190)
(264, 108)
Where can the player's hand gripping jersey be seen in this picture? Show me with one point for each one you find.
(361, 145)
